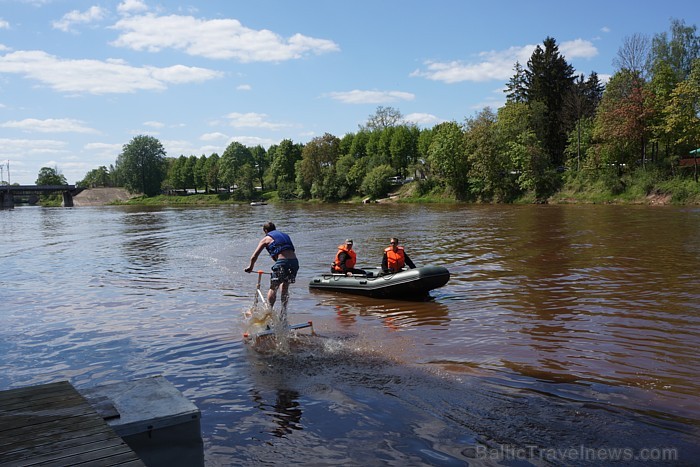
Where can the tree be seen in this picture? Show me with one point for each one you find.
(99, 177)
(200, 173)
(516, 88)
(376, 184)
(50, 176)
(261, 162)
(177, 173)
(420, 168)
(527, 160)
(447, 157)
(633, 55)
(678, 52)
(490, 176)
(403, 148)
(142, 165)
(383, 118)
(670, 62)
(212, 172)
(190, 173)
(548, 79)
(235, 156)
(683, 113)
(318, 165)
(282, 167)
(622, 121)
(358, 148)
(581, 103)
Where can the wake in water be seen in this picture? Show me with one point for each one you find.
(268, 331)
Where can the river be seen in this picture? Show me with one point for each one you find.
(565, 333)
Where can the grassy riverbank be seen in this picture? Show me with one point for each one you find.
(627, 190)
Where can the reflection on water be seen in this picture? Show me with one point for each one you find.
(560, 325)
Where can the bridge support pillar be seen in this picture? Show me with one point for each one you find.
(6, 200)
(67, 199)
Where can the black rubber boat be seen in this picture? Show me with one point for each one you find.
(406, 284)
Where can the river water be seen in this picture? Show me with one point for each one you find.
(564, 334)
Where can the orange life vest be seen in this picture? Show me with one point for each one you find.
(395, 259)
(349, 262)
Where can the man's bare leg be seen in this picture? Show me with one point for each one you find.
(285, 302)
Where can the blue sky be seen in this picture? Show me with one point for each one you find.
(79, 79)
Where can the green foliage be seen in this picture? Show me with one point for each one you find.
(403, 148)
(447, 157)
(621, 142)
(491, 174)
(684, 190)
(231, 163)
(579, 142)
(284, 159)
(548, 80)
(50, 176)
(142, 165)
(200, 173)
(286, 190)
(376, 184)
(211, 171)
(261, 162)
(317, 166)
(99, 177)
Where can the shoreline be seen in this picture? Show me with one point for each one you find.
(120, 196)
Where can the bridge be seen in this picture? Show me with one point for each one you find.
(30, 194)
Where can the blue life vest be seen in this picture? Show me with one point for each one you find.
(280, 242)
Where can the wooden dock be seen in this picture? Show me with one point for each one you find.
(53, 425)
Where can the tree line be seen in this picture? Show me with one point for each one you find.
(555, 128)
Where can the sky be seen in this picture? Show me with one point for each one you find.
(80, 79)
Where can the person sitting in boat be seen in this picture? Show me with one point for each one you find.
(345, 260)
(395, 258)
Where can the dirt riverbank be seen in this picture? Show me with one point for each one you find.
(101, 196)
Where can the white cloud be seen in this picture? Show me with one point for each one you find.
(371, 97)
(98, 77)
(176, 148)
(74, 17)
(252, 141)
(49, 125)
(244, 87)
(18, 149)
(497, 64)
(578, 48)
(153, 124)
(213, 136)
(493, 65)
(105, 149)
(422, 119)
(4, 24)
(605, 29)
(215, 39)
(131, 6)
(253, 120)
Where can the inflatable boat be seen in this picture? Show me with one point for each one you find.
(405, 284)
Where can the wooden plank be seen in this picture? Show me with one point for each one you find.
(19, 396)
(55, 432)
(53, 424)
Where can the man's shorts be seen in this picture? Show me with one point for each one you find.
(284, 270)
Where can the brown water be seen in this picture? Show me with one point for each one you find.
(562, 327)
